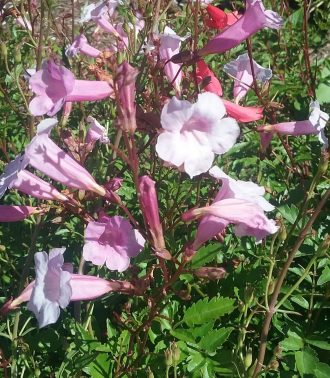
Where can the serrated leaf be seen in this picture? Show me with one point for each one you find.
(288, 212)
(293, 342)
(322, 370)
(215, 339)
(306, 362)
(183, 334)
(195, 361)
(205, 310)
(324, 277)
(205, 255)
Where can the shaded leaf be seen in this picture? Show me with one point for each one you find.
(215, 339)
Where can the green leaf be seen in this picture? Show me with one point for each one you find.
(205, 255)
(301, 301)
(289, 212)
(324, 277)
(306, 362)
(215, 339)
(319, 344)
(183, 334)
(293, 342)
(205, 310)
(322, 370)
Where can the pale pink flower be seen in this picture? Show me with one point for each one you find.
(51, 290)
(96, 132)
(149, 206)
(55, 286)
(238, 202)
(112, 241)
(256, 17)
(81, 45)
(15, 176)
(9, 213)
(243, 113)
(43, 154)
(314, 125)
(194, 133)
(54, 85)
(170, 44)
(240, 70)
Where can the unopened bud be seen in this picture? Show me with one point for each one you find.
(175, 352)
(324, 161)
(17, 54)
(274, 365)
(150, 373)
(324, 247)
(210, 272)
(248, 358)
(81, 194)
(282, 235)
(4, 51)
(168, 357)
(278, 351)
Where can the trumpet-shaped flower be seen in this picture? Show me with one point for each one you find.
(238, 202)
(81, 45)
(203, 72)
(43, 154)
(55, 286)
(96, 132)
(170, 44)
(217, 18)
(15, 176)
(10, 213)
(240, 70)
(113, 241)
(52, 288)
(254, 19)
(243, 113)
(194, 133)
(314, 125)
(54, 85)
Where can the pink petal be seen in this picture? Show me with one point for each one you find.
(86, 90)
(15, 213)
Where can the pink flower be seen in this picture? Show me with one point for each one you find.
(96, 132)
(240, 70)
(10, 213)
(203, 72)
(149, 205)
(254, 19)
(43, 154)
(81, 45)
(238, 202)
(126, 88)
(52, 288)
(55, 286)
(243, 113)
(170, 44)
(314, 125)
(194, 133)
(15, 176)
(54, 85)
(112, 241)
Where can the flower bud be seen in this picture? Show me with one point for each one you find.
(168, 357)
(149, 207)
(210, 272)
(248, 358)
(126, 88)
(4, 51)
(175, 352)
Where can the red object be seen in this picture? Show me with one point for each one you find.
(217, 18)
(203, 72)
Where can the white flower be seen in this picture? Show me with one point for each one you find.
(194, 133)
